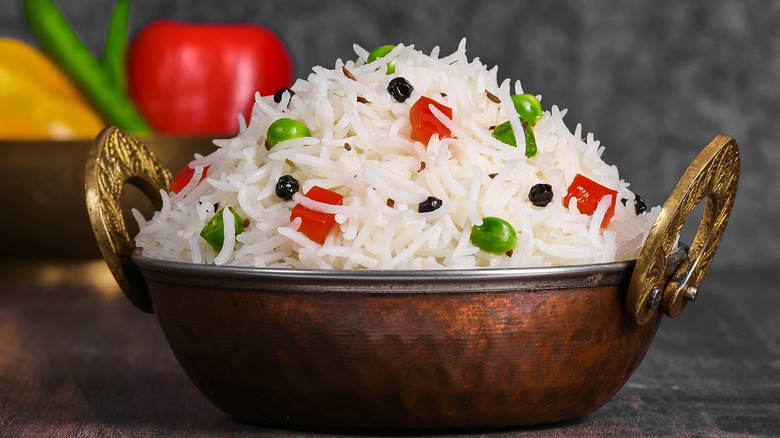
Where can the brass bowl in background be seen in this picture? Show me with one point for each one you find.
(42, 211)
(411, 349)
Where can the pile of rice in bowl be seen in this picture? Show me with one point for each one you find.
(395, 161)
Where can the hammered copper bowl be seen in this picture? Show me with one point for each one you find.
(412, 349)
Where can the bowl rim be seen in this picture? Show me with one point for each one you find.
(393, 281)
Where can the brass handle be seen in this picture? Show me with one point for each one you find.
(713, 175)
(116, 158)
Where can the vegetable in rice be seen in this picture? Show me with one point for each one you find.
(380, 183)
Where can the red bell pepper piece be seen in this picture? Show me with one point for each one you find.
(317, 224)
(189, 78)
(424, 123)
(183, 178)
(588, 194)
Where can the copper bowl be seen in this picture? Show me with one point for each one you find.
(412, 349)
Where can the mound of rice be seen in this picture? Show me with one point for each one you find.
(360, 147)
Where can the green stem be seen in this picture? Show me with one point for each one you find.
(58, 39)
(116, 43)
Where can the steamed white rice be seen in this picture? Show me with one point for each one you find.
(474, 175)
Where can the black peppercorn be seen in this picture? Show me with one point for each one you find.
(400, 89)
(432, 203)
(540, 195)
(639, 204)
(286, 187)
(279, 94)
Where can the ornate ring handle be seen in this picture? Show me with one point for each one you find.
(117, 158)
(713, 174)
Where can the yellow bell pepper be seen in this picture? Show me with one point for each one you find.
(37, 101)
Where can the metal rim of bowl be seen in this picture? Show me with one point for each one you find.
(394, 281)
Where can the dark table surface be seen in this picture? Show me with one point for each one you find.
(77, 359)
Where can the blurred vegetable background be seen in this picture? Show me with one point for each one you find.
(174, 78)
(100, 79)
(38, 100)
(195, 78)
(653, 80)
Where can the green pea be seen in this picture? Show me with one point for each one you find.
(495, 235)
(381, 52)
(285, 129)
(214, 232)
(504, 133)
(528, 107)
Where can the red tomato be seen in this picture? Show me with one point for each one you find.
(195, 78)
(588, 194)
(316, 224)
(424, 123)
(184, 177)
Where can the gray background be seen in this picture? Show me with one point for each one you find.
(655, 81)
